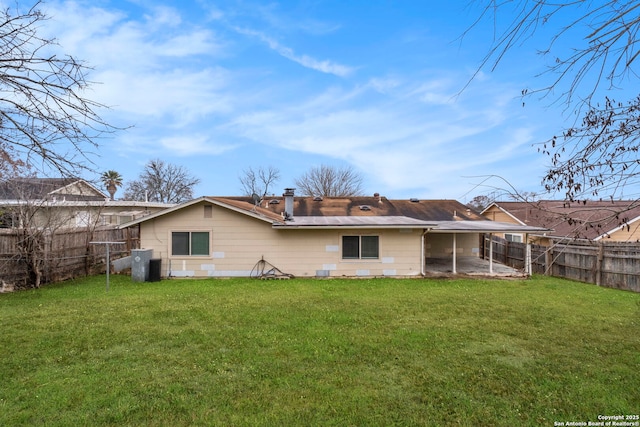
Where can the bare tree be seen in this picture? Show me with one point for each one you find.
(162, 182)
(41, 106)
(330, 181)
(33, 223)
(480, 203)
(596, 156)
(603, 37)
(10, 163)
(259, 181)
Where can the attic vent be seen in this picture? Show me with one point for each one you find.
(274, 202)
(317, 199)
(414, 200)
(365, 208)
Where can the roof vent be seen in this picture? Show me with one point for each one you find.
(317, 199)
(414, 200)
(274, 202)
(365, 208)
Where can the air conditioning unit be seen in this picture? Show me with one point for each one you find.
(140, 264)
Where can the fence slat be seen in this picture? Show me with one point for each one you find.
(64, 255)
(608, 264)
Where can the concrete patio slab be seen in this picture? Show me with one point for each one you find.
(472, 266)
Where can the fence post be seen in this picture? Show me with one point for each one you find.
(599, 261)
(506, 252)
(548, 259)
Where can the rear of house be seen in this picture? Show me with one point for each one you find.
(211, 239)
(312, 237)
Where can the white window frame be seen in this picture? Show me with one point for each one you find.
(514, 237)
(359, 257)
(190, 244)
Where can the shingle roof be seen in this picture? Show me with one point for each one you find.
(355, 212)
(425, 210)
(586, 220)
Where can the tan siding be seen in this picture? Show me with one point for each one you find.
(238, 242)
(631, 234)
(496, 214)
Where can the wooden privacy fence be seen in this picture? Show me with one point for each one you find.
(61, 255)
(614, 264)
(609, 264)
(513, 254)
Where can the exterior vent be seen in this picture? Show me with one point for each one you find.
(317, 199)
(365, 208)
(274, 202)
(414, 200)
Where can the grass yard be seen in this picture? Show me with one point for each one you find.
(380, 352)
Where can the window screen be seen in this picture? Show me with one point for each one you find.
(350, 247)
(200, 243)
(369, 246)
(179, 243)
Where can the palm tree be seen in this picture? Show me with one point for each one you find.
(111, 180)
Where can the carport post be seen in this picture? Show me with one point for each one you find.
(490, 253)
(528, 269)
(454, 253)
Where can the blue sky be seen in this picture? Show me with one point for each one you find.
(221, 86)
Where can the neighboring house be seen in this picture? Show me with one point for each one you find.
(314, 237)
(594, 220)
(65, 203)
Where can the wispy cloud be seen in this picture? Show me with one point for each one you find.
(195, 145)
(324, 66)
(396, 143)
(192, 92)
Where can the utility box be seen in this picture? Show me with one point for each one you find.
(140, 264)
(155, 269)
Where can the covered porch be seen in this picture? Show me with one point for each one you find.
(455, 247)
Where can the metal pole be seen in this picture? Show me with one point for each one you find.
(107, 245)
(108, 266)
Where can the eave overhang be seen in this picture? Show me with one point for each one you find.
(484, 227)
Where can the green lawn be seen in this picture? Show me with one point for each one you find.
(245, 352)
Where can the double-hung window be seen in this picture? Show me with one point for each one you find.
(191, 243)
(360, 247)
(517, 238)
